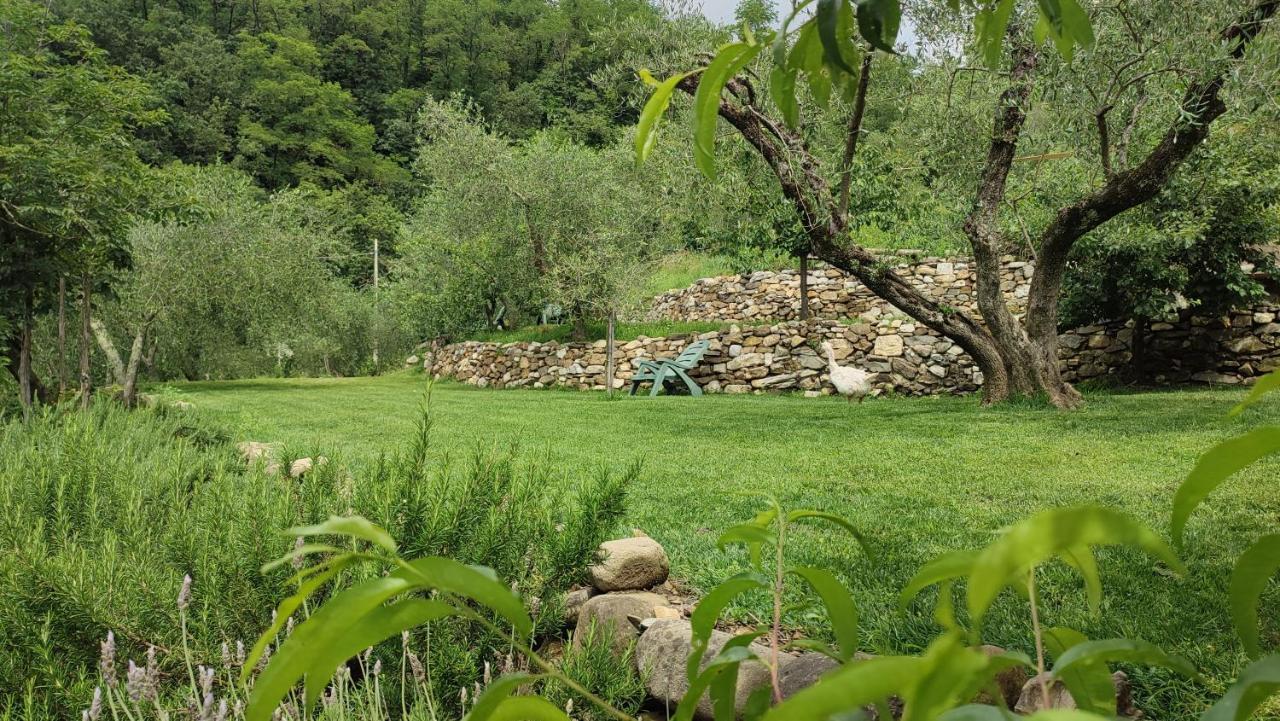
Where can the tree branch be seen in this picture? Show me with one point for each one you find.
(855, 130)
(799, 175)
(1200, 106)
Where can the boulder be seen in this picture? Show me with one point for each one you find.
(613, 613)
(573, 602)
(661, 654)
(1010, 682)
(803, 671)
(630, 564)
(251, 451)
(1031, 699)
(303, 466)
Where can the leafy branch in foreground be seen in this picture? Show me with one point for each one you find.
(411, 594)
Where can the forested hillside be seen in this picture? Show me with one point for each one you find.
(250, 187)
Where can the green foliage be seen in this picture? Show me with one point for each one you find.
(133, 501)
(596, 663)
(493, 242)
(1197, 246)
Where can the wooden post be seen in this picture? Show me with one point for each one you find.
(804, 286)
(608, 356)
(376, 308)
(86, 333)
(62, 335)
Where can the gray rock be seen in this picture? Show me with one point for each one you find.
(663, 650)
(630, 564)
(612, 613)
(803, 671)
(1031, 699)
(574, 601)
(251, 451)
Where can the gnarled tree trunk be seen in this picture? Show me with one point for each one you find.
(1016, 357)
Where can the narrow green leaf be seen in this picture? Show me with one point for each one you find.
(528, 708)
(724, 687)
(302, 551)
(353, 526)
(1046, 535)
(324, 628)
(851, 686)
(371, 629)
(803, 515)
(878, 22)
(651, 116)
(833, 32)
(1215, 466)
(323, 573)
(1090, 683)
(706, 101)
(979, 712)
(497, 692)
(1075, 21)
(473, 582)
(730, 657)
(1083, 560)
(991, 23)
(951, 674)
(782, 88)
(751, 535)
(780, 40)
(704, 616)
(1261, 387)
(1249, 578)
(1124, 650)
(1258, 682)
(956, 564)
(841, 610)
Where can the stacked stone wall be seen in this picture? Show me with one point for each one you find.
(760, 353)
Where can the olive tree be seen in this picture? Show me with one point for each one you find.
(507, 229)
(1153, 65)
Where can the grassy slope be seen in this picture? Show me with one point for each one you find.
(920, 476)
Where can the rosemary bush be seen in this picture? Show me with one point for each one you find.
(102, 514)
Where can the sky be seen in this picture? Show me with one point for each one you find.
(721, 11)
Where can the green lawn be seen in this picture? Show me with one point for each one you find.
(920, 476)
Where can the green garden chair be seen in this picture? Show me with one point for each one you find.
(664, 370)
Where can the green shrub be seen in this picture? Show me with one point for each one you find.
(595, 664)
(103, 513)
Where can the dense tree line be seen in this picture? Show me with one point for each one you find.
(239, 187)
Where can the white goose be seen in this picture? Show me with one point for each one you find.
(849, 382)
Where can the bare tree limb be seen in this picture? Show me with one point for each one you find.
(855, 131)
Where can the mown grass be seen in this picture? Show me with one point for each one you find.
(679, 270)
(563, 332)
(920, 476)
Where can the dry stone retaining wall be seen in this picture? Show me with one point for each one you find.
(775, 295)
(904, 356)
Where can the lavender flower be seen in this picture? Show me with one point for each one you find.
(135, 681)
(415, 664)
(288, 626)
(239, 653)
(184, 594)
(226, 656)
(297, 560)
(263, 659)
(152, 670)
(377, 667)
(488, 673)
(95, 706)
(107, 660)
(206, 680)
(206, 708)
(221, 715)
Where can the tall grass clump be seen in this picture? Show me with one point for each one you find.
(103, 514)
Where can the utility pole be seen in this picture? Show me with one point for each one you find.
(377, 309)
